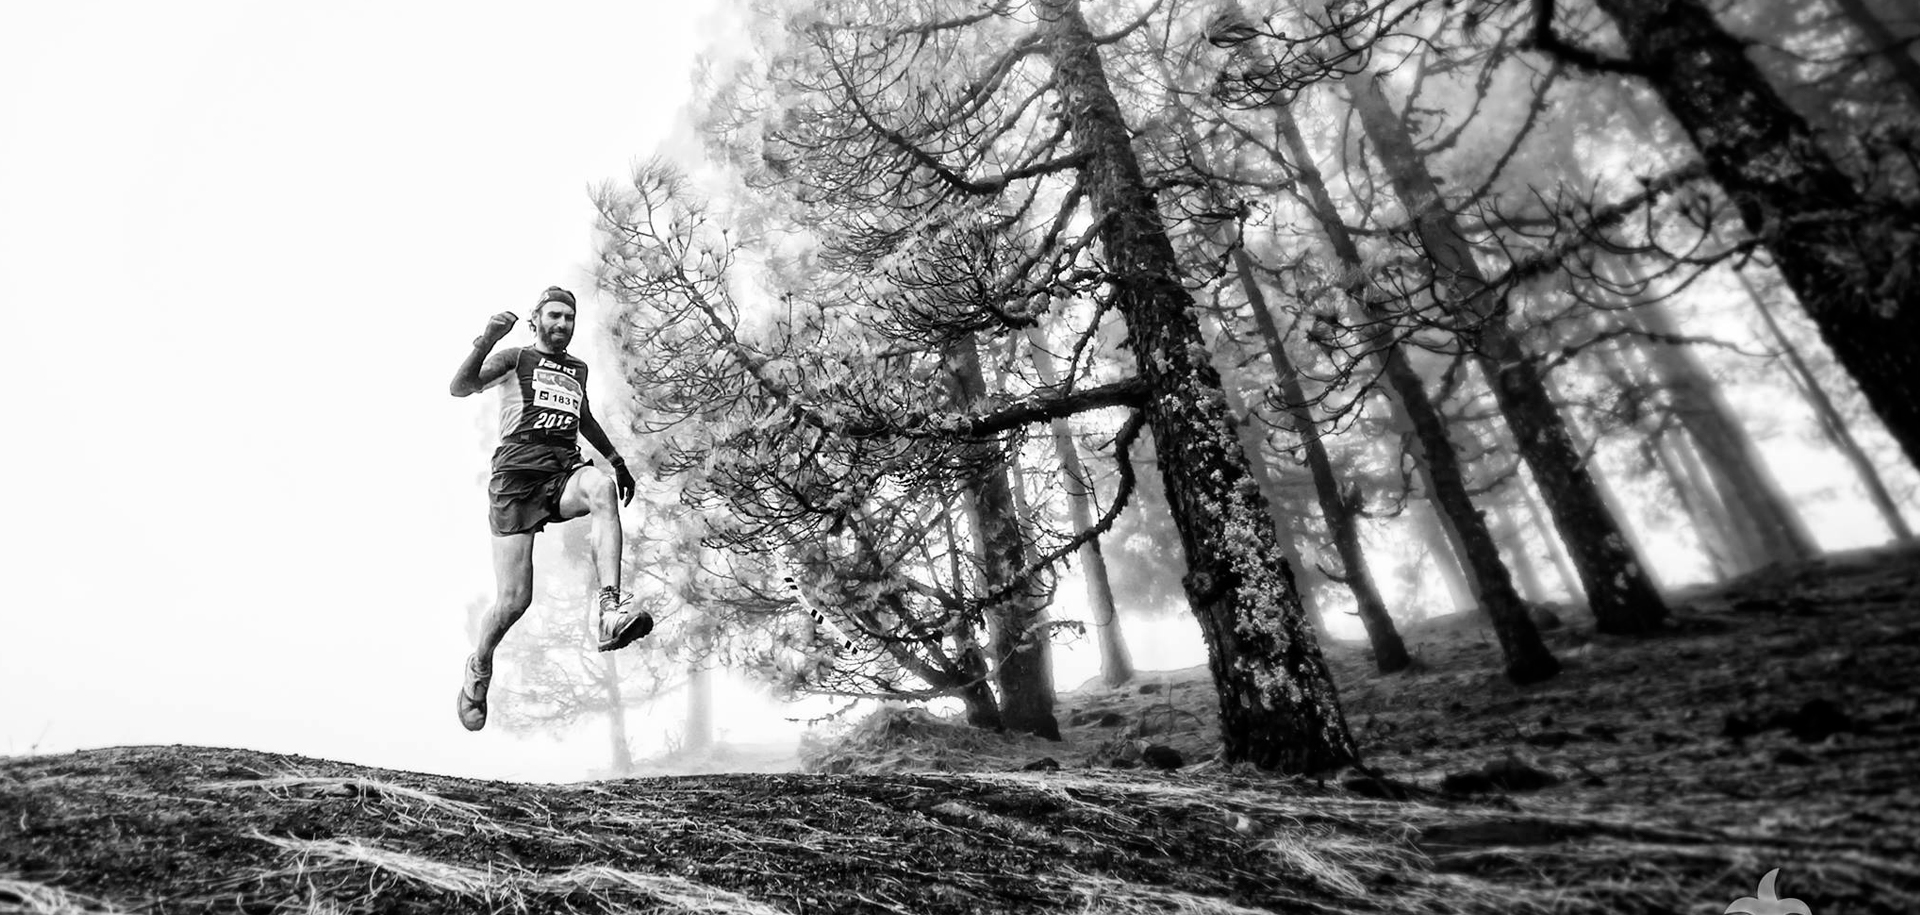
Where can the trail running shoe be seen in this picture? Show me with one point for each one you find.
(473, 696)
(620, 624)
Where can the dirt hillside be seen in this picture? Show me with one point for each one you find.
(1774, 728)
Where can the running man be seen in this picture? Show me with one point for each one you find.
(539, 476)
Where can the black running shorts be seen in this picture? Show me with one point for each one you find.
(528, 479)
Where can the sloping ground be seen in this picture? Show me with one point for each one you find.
(1776, 729)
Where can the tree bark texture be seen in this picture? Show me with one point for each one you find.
(1850, 261)
(1389, 651)
(1619, 590)
(1528, 659)
(1285, 525)
(1116, 662)
(1278, 705)
(1017, 643)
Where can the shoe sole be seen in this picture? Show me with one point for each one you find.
(635, 630)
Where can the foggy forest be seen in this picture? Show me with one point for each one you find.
(1519, 403)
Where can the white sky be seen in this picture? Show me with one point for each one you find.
(243, 247)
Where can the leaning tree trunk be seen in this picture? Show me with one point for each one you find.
(1557, 551)
(1831, 422)
(969, 675)
(1619, 590)
(1430, 523)
(1528, 659)
(1732, 546)
(1246, 421)
(1522, 563)
(1725, 552)
(1285, 526)
(1116, 662)
(1730, 452)
(1441, 530)
(1278, 705)
(1016, 622)
(1848, 260)
(1389, 651)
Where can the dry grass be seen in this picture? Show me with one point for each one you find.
(25, 897)
(507, 889)
(910, 812)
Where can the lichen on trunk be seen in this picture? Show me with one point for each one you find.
(1278, 705)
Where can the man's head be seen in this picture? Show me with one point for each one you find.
(552, 319)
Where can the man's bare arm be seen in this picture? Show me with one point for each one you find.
(595, 436)
(479, 370)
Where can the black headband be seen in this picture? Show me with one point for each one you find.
(556, 294)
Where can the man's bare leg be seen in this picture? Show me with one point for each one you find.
(590, 492)
(513, 593)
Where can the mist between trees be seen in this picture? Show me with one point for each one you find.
(1257, 311)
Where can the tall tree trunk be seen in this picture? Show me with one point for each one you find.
(1288, 525)
(971, 675)
(1732, 543)
(622, 757)
(1285, 526)
(1516, 546)
(1431, 524)
(616, 704)
(1389, 652)
(1441, 530)
(1017, 643)
(1697, 499)
(1279, 708)
(1881, 39)
(1248, 423)
(1563, 564)
(699, 730)
(1116, 662)
(1619, 589)
(1832, 424)
(1728, 450)
(1528, 659)
(1847, 259)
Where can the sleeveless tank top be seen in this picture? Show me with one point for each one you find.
(541, 399)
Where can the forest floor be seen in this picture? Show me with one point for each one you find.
(1775, 727)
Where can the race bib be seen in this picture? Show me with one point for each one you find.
(553, 390)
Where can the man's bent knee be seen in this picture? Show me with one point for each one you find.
(590, 491)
